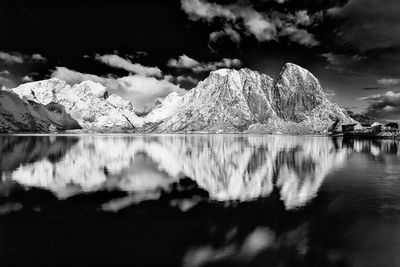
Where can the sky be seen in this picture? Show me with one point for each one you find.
(144, 50)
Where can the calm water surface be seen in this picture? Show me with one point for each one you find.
(198, 200)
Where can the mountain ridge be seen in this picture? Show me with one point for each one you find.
(294, 98)
(227, 101)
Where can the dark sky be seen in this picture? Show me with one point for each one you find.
(146, 49)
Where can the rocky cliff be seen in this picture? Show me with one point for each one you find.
(17, 115)
(244, 100)
(88, 102)
(228, 100)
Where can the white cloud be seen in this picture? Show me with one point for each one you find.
(38, 57)
(259, 25)
(198, 9)
(389, 81)
(185, 62)
(329, 93)
(383, 106)
(11, 58)
(7, 83)
(121, 63)
(299, 36)
(142, 91)
(187, 78)
(389, 95)
(27, 78)
(389, 108)
(263, 26)
(302, 18)
(18, 58)
(233, 35)
(4, 72)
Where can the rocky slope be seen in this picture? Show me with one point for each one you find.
(88, 102)
(238, 100)
(228, 100)
(17, 115)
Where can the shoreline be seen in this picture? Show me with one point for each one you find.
(360, 135)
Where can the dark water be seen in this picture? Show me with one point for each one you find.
(199, 201)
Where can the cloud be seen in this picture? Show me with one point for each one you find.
(383, 106)
(258, 25)
(187, 78)
(373, 88)
(263, 26)
(302, 18)
(329, 93)
(368, 24)
(27, 78)
(10, 58)
(300, 36)
(18, 58)
(198, 9)
(138, 54)
(4, 72)
(142, 91)
(185, 62)
(183, 80)
(367, 30)
(38, 57)
(233, 35)
(380, 62)
(121, 63)
(388, 81)
(7, 83)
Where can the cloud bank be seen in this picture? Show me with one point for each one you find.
(367, 34)
(142, 91)
(264, 26)
(121, 63)
(18, 58)
(383, 106)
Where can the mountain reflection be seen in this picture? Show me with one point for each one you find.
(228, 167)
(199, 200)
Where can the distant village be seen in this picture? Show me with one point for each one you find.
(367, 130)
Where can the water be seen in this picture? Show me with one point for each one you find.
(198, 200)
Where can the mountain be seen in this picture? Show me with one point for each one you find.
(17, 115)
(88, 102)
(244, 100)
(215, 103)
(228, 100)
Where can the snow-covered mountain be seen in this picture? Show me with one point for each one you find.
(17, 115)
(228, 100)
(232, 100)
(88, 102)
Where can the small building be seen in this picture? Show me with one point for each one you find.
(376, 127)
(367, 127)
(358, 127)
(348, 127)
(392, 126)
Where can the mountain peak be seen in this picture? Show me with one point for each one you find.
(231, 100)
(88, 103)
